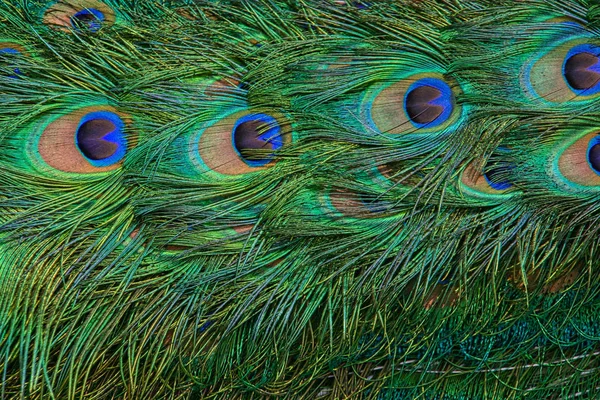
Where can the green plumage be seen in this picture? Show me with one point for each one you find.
(299, 199)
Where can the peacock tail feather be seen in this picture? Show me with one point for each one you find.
(299, 199)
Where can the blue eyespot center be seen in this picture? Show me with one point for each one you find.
(496, 178)
(498, 170)
(581, 69)
(10, 51)
(593, 155)
(497, 174)
(429, 102)
(100, 137)
(373, 204)
(254, 136)
(90, 19)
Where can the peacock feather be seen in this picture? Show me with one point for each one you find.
(299, 199)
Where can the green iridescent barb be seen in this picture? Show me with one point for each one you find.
(247, 199)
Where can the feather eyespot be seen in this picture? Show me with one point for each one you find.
(569, 72)
(429, 102)
(88, 140)
(492, 179)
(579, 163)
(374, 206)
(242, 142)
(582, 69)
(422, 103)
(90, 19)
(101, 139)
(254, 134)
(79, 15)
(398, 174)
(10, 51)
(341, 202)
(497, 171)
(345, 203)
(593, 154)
